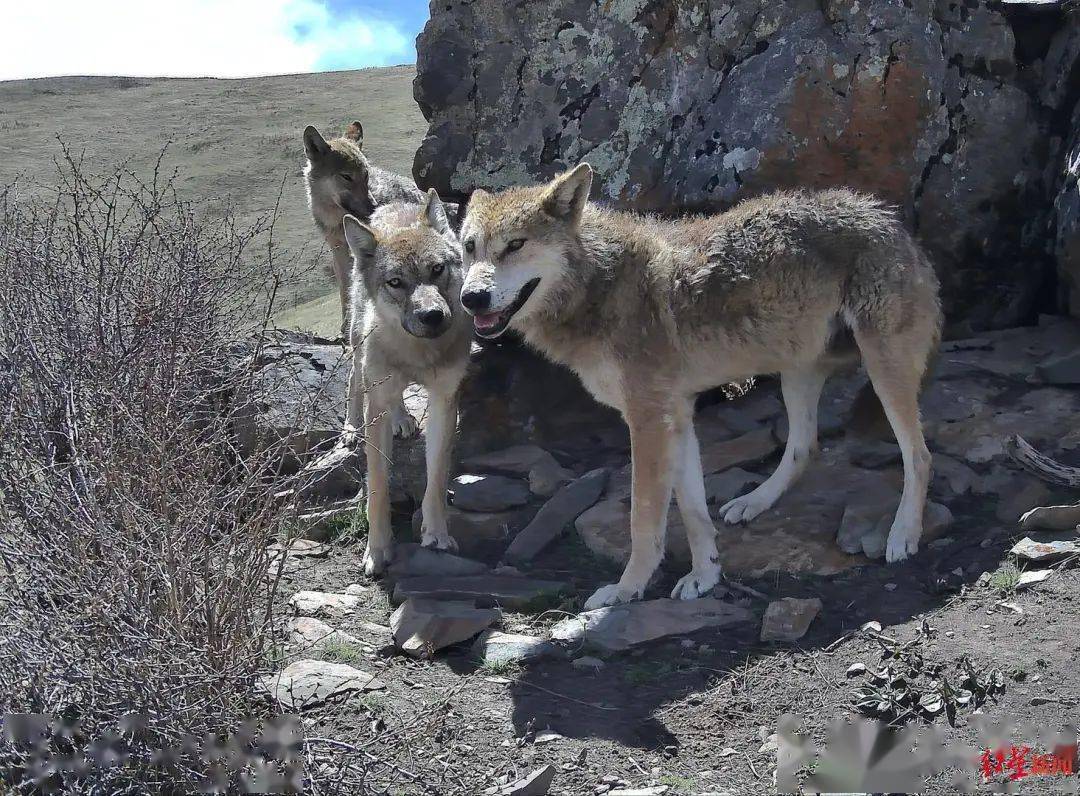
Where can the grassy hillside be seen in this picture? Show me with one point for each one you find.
(233, 141)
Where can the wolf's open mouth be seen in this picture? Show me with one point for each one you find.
(492, 324)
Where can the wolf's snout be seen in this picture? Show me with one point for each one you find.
(431, 317)
(476, 300)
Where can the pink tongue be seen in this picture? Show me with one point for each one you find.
(486, 320)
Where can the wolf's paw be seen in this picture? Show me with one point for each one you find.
(745, 508)
(405, 425)
(438, 541)
(376, 558)
(903, 541)
(696, 584)
(613, 595)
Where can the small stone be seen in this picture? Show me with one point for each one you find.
(355, 590)
(872, 626)
(722, 487)
(536, 784)
(588, 662)
(421, 627)
(547, 736)
(789, 618)
(412, 560)
(517, 460)
(495, 647)
(308, 632)
(300, 548)
(305, 683)
(325, 604)
(746, 449)
(488, 493)
(890, 587)
(621, 627)
(555, 515)
(508, 591)
(856, 669)
(1030, 550)
(1031, 577)
(547, 475)
(936, 520)
(954, 476)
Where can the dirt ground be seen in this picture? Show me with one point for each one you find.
(693, 713)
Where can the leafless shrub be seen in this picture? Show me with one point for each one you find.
(133, 565)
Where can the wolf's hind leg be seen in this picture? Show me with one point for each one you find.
(405, 425)
(895, 364)
(700, 531)
(802, 390)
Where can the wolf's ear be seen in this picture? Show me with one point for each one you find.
(567, 194)
(360, 237)
(355, 132)
(433, 214)
(314, 144)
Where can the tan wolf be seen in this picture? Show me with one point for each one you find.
(649, 313)
(408, 327)
(341, 181)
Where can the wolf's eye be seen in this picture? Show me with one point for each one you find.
(436, 270)
(346, 177)
(515, 244)
(470, 246)
(393, 282)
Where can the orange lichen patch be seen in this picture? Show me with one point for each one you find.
(865, 140)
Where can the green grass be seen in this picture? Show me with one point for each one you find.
(347, 529)
(645, 673)
(1005, 580)
(333, 649)
(500, 668)
(678, 783)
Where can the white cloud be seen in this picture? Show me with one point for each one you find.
(218, 38)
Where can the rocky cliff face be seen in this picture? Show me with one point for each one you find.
(942, 108)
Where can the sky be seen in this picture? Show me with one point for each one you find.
(205, 38)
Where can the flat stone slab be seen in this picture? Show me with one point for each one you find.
(621, 627)
(789, 618)
(1031, 550)
(305, 683)
(509, 591)
(554, 516)
(746, 449)
(325, 604)
(1033, 576)
(1051, 518)
(536, 784)
(488, 492)
(411, 560)
(309, 633)
(516, 460)
(422, 627)
(495, 647)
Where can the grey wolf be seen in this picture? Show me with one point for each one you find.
(651, 312)
(341, 181)
(407, 326)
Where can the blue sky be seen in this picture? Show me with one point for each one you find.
(214, 38)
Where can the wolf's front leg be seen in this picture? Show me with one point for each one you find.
(354, 407)
(380, 544)
(441, 425)
(652, 445)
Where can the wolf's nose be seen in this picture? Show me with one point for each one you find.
(431, 317)
(476, 300)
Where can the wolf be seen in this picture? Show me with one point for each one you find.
(407, 326)
(341, 181)
(651, 312)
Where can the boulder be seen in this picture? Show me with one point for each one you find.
(305, 683)
(692, 106)
(621, 627)
(422, 627)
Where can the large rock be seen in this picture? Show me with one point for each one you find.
(488, 493)
(693, 105)
(508, 591)
(555, 515)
